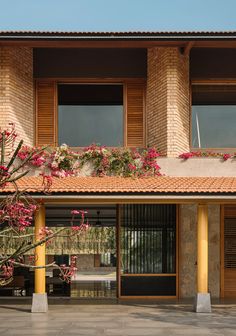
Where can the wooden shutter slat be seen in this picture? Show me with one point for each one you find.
(135, 114)
(229, 251)
(45, 113)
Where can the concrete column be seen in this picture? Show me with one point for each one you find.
(203, 302)
(40, 304)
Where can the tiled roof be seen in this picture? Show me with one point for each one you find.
(132, 32)
(120, 34)
(116, 185)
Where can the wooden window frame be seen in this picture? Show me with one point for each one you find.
(205, 82)
(121, 81)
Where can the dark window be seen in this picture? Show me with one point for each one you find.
(213, 116)
(90, 113)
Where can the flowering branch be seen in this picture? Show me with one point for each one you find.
(18, 209)
(223, 156)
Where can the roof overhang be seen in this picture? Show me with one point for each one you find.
(161, 189)
(117, 39)
(136, 199)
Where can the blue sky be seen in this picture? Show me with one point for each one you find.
(118, 15)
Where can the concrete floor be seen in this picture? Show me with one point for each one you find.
(117, 319)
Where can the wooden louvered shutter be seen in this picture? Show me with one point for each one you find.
(45, 113)
(135, 114)
(229, 251)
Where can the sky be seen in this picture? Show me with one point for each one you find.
(118, 15)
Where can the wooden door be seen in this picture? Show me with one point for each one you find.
(228, 246)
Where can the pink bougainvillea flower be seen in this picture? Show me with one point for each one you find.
(186, 156)
(75, 212)
(226, 157)
(76, 228)
(132, 167)
(83, 212)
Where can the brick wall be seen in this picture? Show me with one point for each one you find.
(167, 101)
(167, 96)
(16, 91)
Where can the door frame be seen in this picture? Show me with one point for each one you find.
(118, 273)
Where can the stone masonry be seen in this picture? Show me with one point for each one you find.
(188, 250)
(16, 91)
(167, 102)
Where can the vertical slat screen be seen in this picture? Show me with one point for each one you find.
(45, 113)
(148, 240)
(230, 251)
(135, 114)
(230, 243)
(148, 250)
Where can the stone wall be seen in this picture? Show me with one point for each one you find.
(167, 101)
(86, 263)
(188, 250)
(16, 91)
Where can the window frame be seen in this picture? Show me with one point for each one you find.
(102, 81)
(91, 83)
(206, 82)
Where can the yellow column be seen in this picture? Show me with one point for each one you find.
(202, 249)
(40, 251)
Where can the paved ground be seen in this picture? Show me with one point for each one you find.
(116, 320)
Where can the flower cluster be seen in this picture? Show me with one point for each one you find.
(4, 172)
(45, 232)
(67, 272)
(149, 163)
(18, 214)
(39, 156)
(121, 161)
(105, 161)
(7, 270)
(63, 162)
(99, 156)
(223, 156)
(47, 182)
(82, 226)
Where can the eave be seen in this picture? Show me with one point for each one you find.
(117, 39)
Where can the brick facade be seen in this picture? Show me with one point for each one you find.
(16, 91)
(167, 105)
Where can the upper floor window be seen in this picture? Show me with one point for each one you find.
(213, 116)
(90, 113)
(111, 114)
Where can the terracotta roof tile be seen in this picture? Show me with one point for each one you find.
(154, 35)
(116, 33)
(162, 184)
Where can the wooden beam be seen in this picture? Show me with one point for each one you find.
(187, 48)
